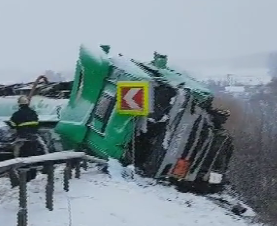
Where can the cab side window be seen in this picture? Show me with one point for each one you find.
(104, 108)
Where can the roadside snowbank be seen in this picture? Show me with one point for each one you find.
(97, 199)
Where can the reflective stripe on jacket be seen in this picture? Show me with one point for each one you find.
(25, 121)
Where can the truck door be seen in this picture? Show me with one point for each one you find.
(108, 132)
(104, 105)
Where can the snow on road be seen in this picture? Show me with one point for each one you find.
(97, 199)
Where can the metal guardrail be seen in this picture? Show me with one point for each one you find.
(18, 168)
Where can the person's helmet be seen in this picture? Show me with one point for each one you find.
(23, 100)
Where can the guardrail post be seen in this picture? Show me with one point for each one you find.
(78, 168)
(50, 185)
(22, 213)
(69, 165)
(13, 177)
(67, 176)
(85, 164)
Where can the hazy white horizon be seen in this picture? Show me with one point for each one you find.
(39, 35)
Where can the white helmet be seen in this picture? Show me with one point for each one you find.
(23, 100)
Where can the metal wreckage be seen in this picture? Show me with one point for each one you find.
(182, 139)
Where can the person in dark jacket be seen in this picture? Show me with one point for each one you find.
(25, 119)
(25, 122)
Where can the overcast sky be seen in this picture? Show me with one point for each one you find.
(45, 34)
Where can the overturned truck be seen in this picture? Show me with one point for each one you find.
(182, 139)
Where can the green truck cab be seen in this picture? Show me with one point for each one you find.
(90, 118)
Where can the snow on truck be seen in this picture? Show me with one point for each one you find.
(181, 139)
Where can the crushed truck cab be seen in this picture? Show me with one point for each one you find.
(182, 138)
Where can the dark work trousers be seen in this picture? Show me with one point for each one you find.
(30, 148)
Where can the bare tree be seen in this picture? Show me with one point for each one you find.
(253, 167)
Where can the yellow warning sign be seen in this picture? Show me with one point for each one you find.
(133, 98)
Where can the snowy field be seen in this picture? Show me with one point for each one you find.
(243, 76)
(100, 199)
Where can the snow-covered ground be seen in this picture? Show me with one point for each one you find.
(98, 199)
